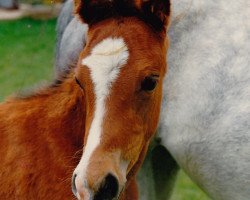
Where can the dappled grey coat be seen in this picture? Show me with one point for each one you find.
(205, 117)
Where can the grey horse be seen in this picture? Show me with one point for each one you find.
(205, 117)
(9, 4)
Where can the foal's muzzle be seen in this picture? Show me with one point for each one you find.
(108, 189)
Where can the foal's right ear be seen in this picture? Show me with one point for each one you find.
(92, 11)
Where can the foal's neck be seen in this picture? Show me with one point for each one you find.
(40, 137)
(57, 111)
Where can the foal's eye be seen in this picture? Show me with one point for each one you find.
(149, 83)
(78, 83)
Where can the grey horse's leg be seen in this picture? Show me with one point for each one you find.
(158, 173)
(9, 4)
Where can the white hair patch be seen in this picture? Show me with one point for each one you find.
(104, 62)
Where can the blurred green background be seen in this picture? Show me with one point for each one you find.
(27, 58)
(34, 2)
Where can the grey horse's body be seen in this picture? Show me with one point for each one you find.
(205, 119)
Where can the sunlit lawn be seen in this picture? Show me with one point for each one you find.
(26, 53)
(27, 58)
(185, 189)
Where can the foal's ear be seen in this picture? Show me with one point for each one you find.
(154, 12)
(157, 12)
(92, 11)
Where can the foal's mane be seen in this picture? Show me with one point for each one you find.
(42, 89)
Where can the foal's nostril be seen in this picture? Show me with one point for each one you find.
(108, 189)
(73, 185)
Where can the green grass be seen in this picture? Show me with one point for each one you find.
(185, 189)
(26, 53)
(26, 58)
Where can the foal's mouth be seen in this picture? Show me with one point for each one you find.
(108, 189)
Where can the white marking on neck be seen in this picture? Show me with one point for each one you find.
(104, 62)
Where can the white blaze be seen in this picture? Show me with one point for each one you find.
(104, 62)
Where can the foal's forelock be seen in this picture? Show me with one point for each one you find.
(104, 63)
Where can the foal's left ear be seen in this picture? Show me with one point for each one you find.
(157, 12)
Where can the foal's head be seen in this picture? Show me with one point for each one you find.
(121, 71)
